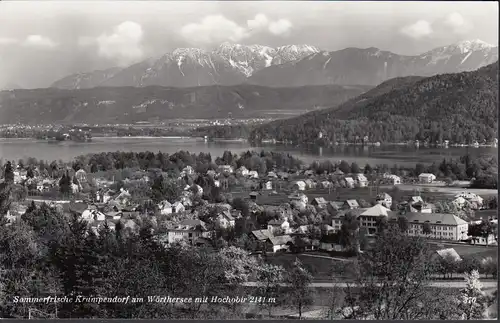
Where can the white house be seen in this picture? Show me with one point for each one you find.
(178, 207)
(268, 185)
(253, 174)
(225, 219)
(299, 185)
(243, 171)
(459, 201)
(384, 199)
(188, 233)
(350, 182)
(274, 225)
(188, 170)
(394, 179)
(361, 180)
(91, 215)
(165, 207)
(301, 197)
(471, 197)
(426, 178)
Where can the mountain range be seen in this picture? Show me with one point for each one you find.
(286, 66)
(460, 107)
(112, 105)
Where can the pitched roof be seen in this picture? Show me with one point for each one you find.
(352, 202)
(434, 218)
(276, 222)
(449, 252)
(261, 234)
(383, 196)
(376, 210)
(320, 200)
(280, 240)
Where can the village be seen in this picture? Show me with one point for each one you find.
(277, 211)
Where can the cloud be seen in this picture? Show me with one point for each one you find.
(214, 29)
(457, 23)
(8, 41)
(123, 45)
(421, 28)
(217, 29)
(280, 27)
(40, 42)
(259, 22)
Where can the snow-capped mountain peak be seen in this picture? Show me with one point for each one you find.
(466, 46)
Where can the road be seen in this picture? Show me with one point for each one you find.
(443, 284)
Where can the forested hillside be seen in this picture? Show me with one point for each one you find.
(461, 108)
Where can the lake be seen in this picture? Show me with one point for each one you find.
(14, 149)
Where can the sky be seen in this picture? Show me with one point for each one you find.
(43, 41)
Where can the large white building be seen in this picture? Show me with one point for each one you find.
(442, 226)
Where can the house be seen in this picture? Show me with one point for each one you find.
(242, 171)
(277, 225)
(124, 197)
(283, 175)
(328, 229)
(275, 243)
(81, 176)
(426, 178)
(384, 199)
(268, 185)
(333, 207)
(330, 243)
(75, 188)
(91, 215)
(369, 218)
(226, 169)
(178, 207)
(394, 179)
(417, 204)
(471, 198)
(300, 197)
(459, 201)
(188, 170)
(349, 182)
(188, 233)
(442, 226)
(299, 185)
(319, 202)
(261, 235)
(326, 184)
(225, 219)
(490, 240)
(338, 172)
(165, 207)
(310, 183)
(253, 195)
(272, 175)
(350, 205)
(361, 180)
(114, 215)
(217, 183)
(253, 174)
(337, 222)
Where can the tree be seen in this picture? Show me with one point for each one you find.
(269, 279)
(165, 189)
(355, 168)
(403, 224)
(349, 232)
(448, 265)
(368, 169)
(344, 167)
(472, 299)
(426, 228)
(30, 173)
(489, 267)
(65, 185)
(8, 174)
(299, 279)
(392, 280)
